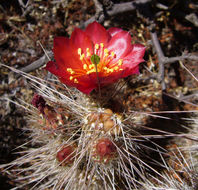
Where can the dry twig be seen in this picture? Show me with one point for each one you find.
(117, 9)
(37, 64)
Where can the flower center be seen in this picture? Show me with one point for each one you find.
(99, 61)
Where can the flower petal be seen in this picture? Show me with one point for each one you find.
(61, 45)
(87, 83)
(113, 77)
(120, 43)
(86, 89)
(138, 50)
(65, 53)
(80, 40)
(97, 33)
(55, 69)
(113, 31)
(59, 72)
(130, 71)
(134, 57)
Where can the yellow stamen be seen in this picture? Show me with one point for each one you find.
(71, 78)
(96, 46)
(108, 70)
(75, 81)
(79, 51)
(104, 65)
(101, 45)
(116, 68)
(91, 71)
(88, 54)
(106, 50)
(82, 56)
(112, 53)
(120, 61)
(85, 66)
(70, 71)
(91, 66)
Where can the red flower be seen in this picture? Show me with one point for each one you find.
(95, 52)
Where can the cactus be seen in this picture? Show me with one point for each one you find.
(80, 141)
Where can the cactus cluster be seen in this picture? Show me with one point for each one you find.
(76, 141)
